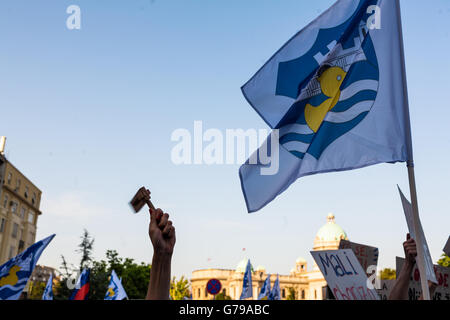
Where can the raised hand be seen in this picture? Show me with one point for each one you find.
(161, 232)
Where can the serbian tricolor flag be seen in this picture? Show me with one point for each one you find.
(82, 288)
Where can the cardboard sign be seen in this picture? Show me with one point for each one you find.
(407, 208)
(344, 275)
(447, 247)
(385, 288)
(366, 255)
(415, 290)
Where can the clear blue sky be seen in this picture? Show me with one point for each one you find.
(89, 114)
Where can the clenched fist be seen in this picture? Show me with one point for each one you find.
(161, 232)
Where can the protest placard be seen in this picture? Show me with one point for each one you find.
(366, 255)
(385, 288)
(344, 275)
(407, 208)
(447, 247)
(415, 291)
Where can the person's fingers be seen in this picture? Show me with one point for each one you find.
(409, 243)
(171, 233)
(167, 228)
(162, 223)
(152, 217)
(411, 246)
(408, 236)
(145, 196)
(159, 215)
(155, 216)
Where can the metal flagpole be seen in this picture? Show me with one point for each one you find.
(411, 176)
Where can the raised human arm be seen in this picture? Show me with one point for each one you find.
(400, 289)
(162, 236)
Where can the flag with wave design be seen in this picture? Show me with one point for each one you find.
(335, 95)
(15, 273)
(115, 288)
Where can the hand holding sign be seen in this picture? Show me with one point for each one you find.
(409, 246)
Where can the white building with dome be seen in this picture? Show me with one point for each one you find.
(308, 284)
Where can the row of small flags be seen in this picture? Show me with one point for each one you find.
(266, 293)
(15, 273)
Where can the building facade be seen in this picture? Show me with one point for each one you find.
(306, 284)
(19, 210)
(43, 273)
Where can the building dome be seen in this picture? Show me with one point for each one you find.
(260, 269)
(243, 265)
(300, 260)
(330, 234)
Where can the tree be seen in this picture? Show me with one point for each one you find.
(60, 289)
(387, 274)
(86, 246)
(36, 290)
(67, 273)
(291, 294)
(98, 280)
(179, 289)
(135, 277)
(444, 261)
(222, 296)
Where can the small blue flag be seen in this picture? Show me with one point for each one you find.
(265, 290)
(15, 273)
(48, 292)
(275, 293)
(247, 287)
(336, 97)
(115, 289)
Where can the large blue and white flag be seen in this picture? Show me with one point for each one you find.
(275, 293)
(265, 290)
(336, 94)
(15, 273)
(247, 286)
(115, 289)
(48, 291)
